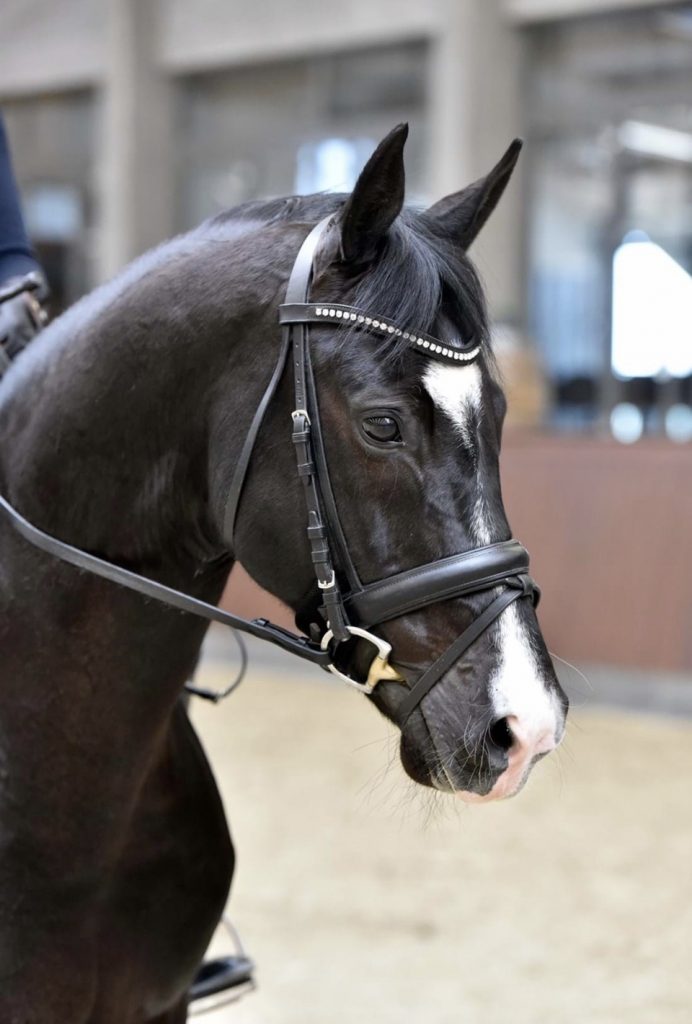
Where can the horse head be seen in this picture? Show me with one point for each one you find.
(410, 448)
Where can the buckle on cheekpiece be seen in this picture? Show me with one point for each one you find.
(379, 667)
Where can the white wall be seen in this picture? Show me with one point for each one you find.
(220, 32)
(49, 45)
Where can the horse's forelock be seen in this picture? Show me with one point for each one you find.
(417, 273)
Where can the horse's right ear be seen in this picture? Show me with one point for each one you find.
(376, 200)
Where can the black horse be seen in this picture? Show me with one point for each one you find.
(121, 429)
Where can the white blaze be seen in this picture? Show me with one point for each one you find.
(457, 390)
(516, 687)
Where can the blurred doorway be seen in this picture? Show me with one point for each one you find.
(610, 125)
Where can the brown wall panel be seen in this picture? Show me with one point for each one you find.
(610, 533)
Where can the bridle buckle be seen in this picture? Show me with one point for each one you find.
(379, 667)
(328, 583)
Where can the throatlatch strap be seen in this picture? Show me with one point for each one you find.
(240, 473)
(297, 287)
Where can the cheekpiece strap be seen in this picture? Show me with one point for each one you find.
(303, 414)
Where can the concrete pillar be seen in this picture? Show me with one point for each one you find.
(135, 162)
(475, 110)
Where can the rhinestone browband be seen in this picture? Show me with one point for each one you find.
(353, 317)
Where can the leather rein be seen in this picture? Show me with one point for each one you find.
(345, 614)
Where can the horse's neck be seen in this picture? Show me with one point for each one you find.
(104, 429)
(105, 432)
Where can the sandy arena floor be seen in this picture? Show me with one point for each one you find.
(363, 899)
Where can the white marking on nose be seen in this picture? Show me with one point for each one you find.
(518, 693)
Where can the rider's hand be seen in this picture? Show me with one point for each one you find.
(22, 314)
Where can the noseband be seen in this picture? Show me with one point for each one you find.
(349, 608)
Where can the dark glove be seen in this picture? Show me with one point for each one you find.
(22, 314)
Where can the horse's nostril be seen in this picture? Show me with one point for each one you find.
(500, 734)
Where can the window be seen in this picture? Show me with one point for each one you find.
(295, 126)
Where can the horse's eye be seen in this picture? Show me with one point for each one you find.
(384, 429)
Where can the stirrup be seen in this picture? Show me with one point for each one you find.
(223, 979)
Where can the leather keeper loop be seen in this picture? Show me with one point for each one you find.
(320, 556)
(335, 615)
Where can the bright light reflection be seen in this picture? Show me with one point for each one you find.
(652, 311)
(627, 423)
(679, 423)
(331, 165)
(656, 140)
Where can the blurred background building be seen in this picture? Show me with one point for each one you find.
(131, 120)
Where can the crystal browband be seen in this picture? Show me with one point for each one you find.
(351, 316)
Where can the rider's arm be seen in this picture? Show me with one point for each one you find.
(22, 284)
(16, 255)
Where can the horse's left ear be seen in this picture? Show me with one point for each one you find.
(463, 214)
(376, 200)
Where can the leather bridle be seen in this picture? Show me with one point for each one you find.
(349, 608)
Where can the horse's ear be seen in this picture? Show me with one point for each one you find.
(463, 214)
(376, 200)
